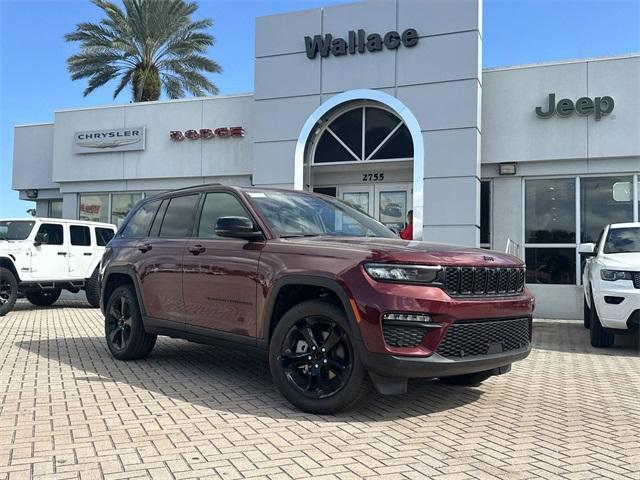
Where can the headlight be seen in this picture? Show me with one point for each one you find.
(388, 272)
(613, 275)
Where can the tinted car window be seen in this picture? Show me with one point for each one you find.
(155, 226)
(80, 235)
(54, 231)
(218, 205)
(138, 225)
(178, 218)
(103, 236)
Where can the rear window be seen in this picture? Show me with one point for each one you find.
(80, 235)
(103, 236)
(138, 225)
(178, 219)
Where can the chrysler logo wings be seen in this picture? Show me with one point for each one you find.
(108, 143)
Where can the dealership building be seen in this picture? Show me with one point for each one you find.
(385, 105)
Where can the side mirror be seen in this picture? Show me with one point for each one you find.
(587, 249)
(41, 238)
(237, 227)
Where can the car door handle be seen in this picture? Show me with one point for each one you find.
(87, 254)
(62, 253)
(144, 247)
(197, 249)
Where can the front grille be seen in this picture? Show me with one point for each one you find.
(402, 336)
(636, 279)
(483, 281)
(484, 337)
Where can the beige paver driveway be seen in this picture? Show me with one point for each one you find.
(67, 410)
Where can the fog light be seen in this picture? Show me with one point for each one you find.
(613, 300)
(408, 317)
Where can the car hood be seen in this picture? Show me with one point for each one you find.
(7, 246)
(410, 251)
(621, 261)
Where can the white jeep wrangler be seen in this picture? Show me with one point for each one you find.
(41, 256)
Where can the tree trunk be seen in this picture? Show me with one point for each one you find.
(146, 84)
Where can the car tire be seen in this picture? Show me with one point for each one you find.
(586, 313)
(8, 291)
(600, 337)
(123, 327)
(43, 297)
(92, 290)
(313, 359)
(468, 380)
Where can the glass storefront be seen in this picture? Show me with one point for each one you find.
(94, 208)
(55, 209)
(121, 204)
(106, 207)
(561, 213)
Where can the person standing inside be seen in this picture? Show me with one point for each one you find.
(407, 232)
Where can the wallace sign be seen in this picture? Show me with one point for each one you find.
(358, 41)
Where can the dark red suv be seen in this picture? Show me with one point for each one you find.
(334, 296)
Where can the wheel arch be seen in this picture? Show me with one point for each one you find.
(272, 314)
(115, 277)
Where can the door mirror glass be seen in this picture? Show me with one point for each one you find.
(587, 249)
(41, 238)
(237, 227)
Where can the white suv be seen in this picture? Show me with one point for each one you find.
(611, 282)
(41, 256)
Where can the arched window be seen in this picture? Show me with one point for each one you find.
(362, 133)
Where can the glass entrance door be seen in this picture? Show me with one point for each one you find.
(386, 202)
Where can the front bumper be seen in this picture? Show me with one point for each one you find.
(612, 315)
(437, 365)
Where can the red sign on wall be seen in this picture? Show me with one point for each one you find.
(206, 133)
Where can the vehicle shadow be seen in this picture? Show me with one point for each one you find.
(571, 336)
(23, 304)
(230, 380)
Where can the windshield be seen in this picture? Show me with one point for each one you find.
(299, 215)
(623, 240)
(15, 229)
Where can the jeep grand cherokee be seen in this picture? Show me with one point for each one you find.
(333, 296)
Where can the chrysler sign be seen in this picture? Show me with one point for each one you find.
(112, 140)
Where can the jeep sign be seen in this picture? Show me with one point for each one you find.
(358, 42)
(599, 106)
(113, 140)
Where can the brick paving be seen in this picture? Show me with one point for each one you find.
(67, 410)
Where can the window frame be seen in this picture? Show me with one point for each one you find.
(170, 198)
(635, 178)
(75, 225)
(328, 119)
(200, 208)
(65, 235)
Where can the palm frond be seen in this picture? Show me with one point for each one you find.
(148, 44)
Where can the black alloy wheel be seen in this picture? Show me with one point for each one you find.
(119, 323)
(123, 326)
(8, 291)
(313, 359)
(317, 357)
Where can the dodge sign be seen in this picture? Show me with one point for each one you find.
(112, 140)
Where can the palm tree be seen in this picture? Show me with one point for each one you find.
(152, 45)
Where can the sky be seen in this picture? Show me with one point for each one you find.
(34, 81)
